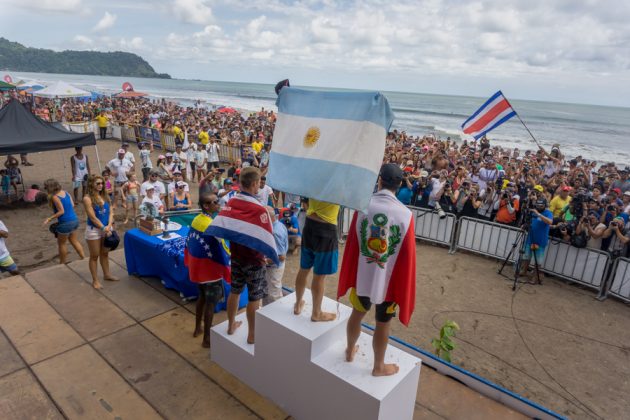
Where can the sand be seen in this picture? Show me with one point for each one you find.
(554, 344)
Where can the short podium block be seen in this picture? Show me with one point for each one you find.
(300, 365)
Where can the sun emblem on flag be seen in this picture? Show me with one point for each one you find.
(311, 136)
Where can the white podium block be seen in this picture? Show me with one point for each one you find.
(300, 365)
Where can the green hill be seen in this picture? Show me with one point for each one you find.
(17, 57)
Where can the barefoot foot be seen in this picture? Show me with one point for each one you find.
(197, 332)
(297, 308)
(97, 285)
(250, 338)
(111, 278)
(387, 369)
(232, 328)
(351, 352)
(323, 317)
(205, 343)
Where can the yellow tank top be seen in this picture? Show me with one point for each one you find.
(326, 211)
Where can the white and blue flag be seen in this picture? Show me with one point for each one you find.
(329, 145)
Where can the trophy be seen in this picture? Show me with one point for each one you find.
(148, 223)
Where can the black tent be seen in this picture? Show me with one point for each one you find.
(23, 132)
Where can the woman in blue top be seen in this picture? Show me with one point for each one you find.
(99, 225)
(67, 221)
(180, 198)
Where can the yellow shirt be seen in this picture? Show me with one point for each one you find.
(257, 146)
(557, 204)
(177, 132)
(102, 121)
(204, 138)
(326, 211)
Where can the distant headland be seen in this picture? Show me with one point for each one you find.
(15, 56)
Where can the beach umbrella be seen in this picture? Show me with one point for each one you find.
(227, 110)
(7, 78)
(131, 94)
(6, 86)
(61, 89)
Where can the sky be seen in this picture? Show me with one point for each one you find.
(553, 50)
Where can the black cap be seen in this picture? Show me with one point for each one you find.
(541, 203)
(391, 172)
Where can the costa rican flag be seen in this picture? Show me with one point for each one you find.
(492, 114)
(245, 221)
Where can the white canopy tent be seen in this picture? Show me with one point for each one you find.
(62, 89)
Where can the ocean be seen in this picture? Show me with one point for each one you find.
(595, 132)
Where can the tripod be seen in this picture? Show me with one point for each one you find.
(521, 243)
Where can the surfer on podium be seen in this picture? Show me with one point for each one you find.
(379, 267)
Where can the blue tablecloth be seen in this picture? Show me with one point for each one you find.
(147, 255)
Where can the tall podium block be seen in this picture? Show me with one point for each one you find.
(300, 365)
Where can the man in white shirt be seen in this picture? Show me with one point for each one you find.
(145, 160)
(213, 154)
(120, 167)
(6, 262)
(155, 183)
(264, 192)
(128, 155)
(177, 177)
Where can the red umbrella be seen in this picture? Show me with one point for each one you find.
(131, 94)
(227, 110)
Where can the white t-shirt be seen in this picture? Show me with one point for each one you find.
(157, 203)
(120, 167)
(200, 157)
(158, 185)
(130, 158)
(213, 152)
(3, 248)
(595, 243)
(171, 187)
(263, 194)
(145, 158)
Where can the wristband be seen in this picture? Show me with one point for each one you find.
(103, 228)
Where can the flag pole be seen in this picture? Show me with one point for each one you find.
(523, 122)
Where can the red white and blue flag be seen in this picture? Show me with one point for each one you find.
(246, 222)
(207, 258)
(492, 114)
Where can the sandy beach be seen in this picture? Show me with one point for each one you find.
(554, 344)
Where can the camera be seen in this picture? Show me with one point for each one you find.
(525, 169)
(610, 208)
(614, 224)
(441, 213)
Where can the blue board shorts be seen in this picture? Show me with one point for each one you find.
(7, 264)
(539, 253)
(319, 247)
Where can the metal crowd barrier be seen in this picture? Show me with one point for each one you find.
(431, 228)
(229, 153)
(620, 280)
(586, 266)
(485, 238)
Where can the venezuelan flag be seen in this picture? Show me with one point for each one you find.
(207, 258)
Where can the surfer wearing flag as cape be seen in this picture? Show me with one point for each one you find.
(379, 267)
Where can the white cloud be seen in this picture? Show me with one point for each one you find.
(106, 22)
(83, 41)
(64, 6)
(192, 11)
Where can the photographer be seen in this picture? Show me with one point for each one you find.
(507, 206)
(488, 199)
(593, 229)
(291, 222)
(618, 235)
(538, 235)
(467, 199)
(421, 190)
(405, 191)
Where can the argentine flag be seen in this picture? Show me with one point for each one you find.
(329, 145)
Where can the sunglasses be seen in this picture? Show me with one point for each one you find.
(211, 202)
(98, 183)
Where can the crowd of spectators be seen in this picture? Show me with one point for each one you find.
(590, 201)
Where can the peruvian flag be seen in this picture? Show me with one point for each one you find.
(492, 114)
(246, 222)
(379, 260)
